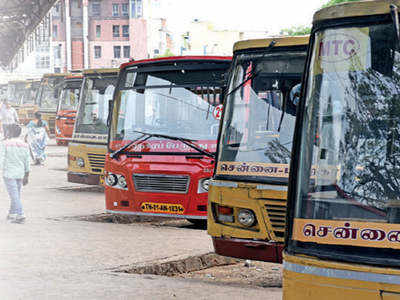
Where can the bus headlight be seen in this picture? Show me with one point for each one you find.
(204, 185)
(111, 179)
(80, 162)
(246, 217)
(116, 181)
(122, 182)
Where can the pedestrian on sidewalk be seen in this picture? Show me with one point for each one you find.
(15, 166)
(37, 138)
(8, 117)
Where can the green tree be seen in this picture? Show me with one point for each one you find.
(334, 2)
(296, 30)
(167, 53)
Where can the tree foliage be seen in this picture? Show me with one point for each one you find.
(296, 30)
(334, 2)
(167, 53)
(302, 30)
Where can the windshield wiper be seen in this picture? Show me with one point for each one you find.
(116, 153)
(187, 142)
(270, 46)
(394, 12)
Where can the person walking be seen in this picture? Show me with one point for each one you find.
(8, 117)
(15, 166)
(37, 138)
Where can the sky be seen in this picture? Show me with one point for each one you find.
(244, 15)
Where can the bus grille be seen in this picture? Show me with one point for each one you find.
(161, 183)
(96, 162)
(276, 211)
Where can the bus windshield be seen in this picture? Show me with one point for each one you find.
(29, 93)
(70, 96)
(183, 104)
(47, 97)
(348, 180)
(15, 92)
(93, 106)
(257, 132)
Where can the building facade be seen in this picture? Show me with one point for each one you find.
(97, 33)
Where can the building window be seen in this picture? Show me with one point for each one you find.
(136, 8)
(57, 52)
(97, 51)
(98, 31)
(115, 30)
(117, 51)
(125, 9)
(115, 10)
(127, 51)
(42, 62)
(96, 9)
(55, 31)
(125, 30)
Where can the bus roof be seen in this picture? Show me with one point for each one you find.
(355, 9)
(281, 41)
(18, 81)
(100, 71)
(74, 77)
(55, 75)
(175, 58)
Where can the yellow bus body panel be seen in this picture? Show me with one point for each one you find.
(301, 286)
(93, 156)
(247, 196)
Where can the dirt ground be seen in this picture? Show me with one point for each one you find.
(244, 273)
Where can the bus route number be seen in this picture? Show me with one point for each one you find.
(217, 113)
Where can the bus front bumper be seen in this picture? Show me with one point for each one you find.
(84, 178)
(248, 249)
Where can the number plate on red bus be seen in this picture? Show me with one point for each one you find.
(165, 208)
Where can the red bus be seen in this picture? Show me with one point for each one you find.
(163, 130)
(66, 110)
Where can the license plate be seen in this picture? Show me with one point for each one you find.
(164, 208)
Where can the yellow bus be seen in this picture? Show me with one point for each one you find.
(47, 97)
(27, 104)
(343, 232)
(247, 196)
(88, 146)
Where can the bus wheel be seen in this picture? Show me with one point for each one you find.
(198, 223)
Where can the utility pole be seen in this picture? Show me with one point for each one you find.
(68, 34)
(85, 6)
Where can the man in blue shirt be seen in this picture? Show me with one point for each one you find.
(15, 166)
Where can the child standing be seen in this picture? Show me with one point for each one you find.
(14, 162)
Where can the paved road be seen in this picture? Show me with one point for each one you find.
(53, 257)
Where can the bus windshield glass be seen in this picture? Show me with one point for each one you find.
(183, 104)
(15, 92)
(93, 107)
(258, 125)
(47, 97)
(349, 161)
(30, 93)
(70, 96)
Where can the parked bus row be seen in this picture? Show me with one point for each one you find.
(289, 150)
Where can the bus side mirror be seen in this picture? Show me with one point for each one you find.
(110, 108)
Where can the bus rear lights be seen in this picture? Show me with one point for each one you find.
(246, 217)
(225, 214)
(80, 162)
